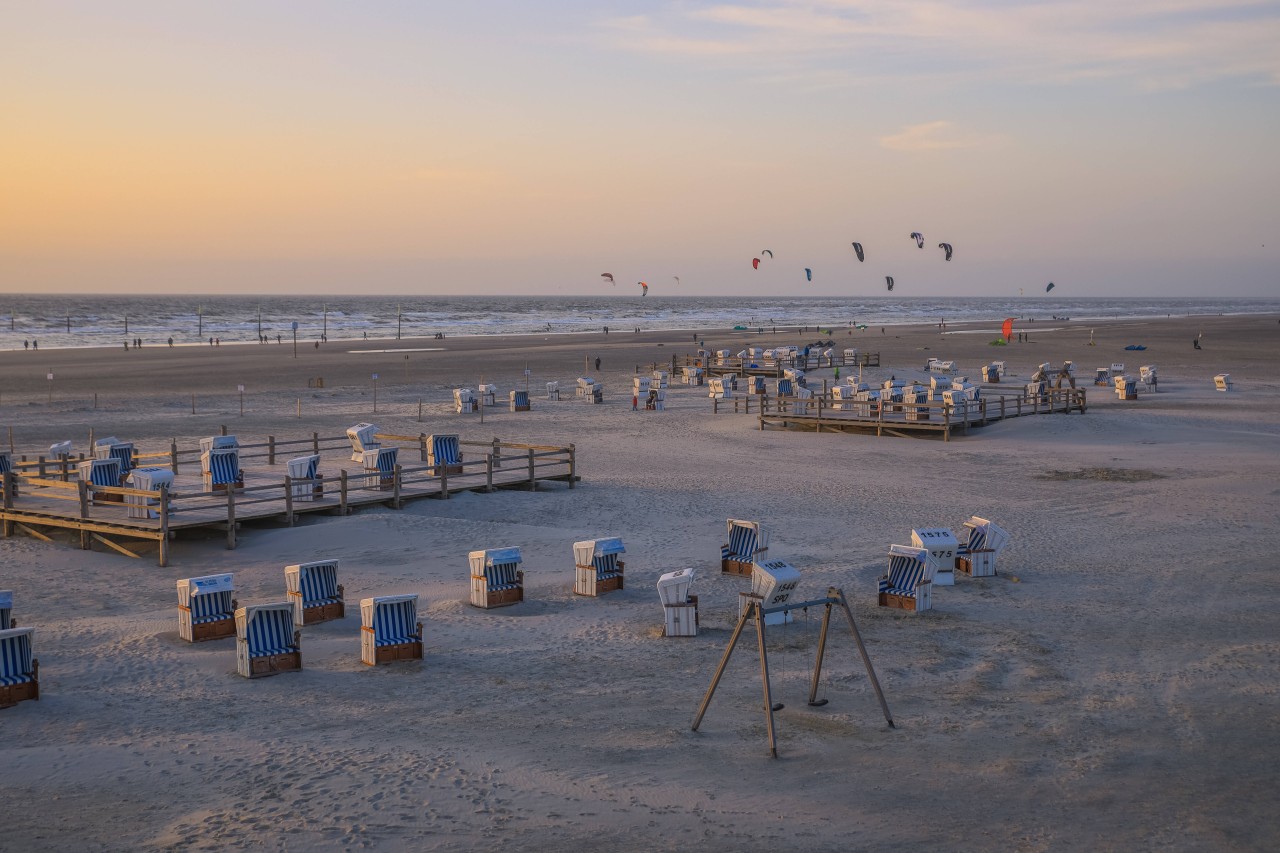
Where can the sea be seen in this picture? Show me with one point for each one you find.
(62, 321)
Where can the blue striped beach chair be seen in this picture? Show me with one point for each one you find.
(976, 557)
(907, 585)
(785, 388)
(520, 401)
(496, 580)
(113, 448)
(206, 608)
(146, 480)
(1126, 388)
(314, 592)
(267, 642)
(444, 454)
(19, 671)
(6, 610)
(362, 438)
(755, 385)
(597, 569)
(304, 474)
(389, 629)
(100, 474)
(220, 470)
(381, 463)
(748, 542)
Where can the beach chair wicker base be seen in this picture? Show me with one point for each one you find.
(223, 488)
(736, 567)
(216, 630)
(501, 597)
(274, 664)
(979, 564)
(12, 694)
(393, 653)
(898, 602)
(681, 619)
(323, 613)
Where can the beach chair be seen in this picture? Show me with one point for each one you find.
(146, 480)
(915, 399)
(520, 401)
(1036, 393)
(314, 592)
(772, 583)
(1126, 388)
(941, 544)
(101, 473)
(304, 472)
(220, 470)
(718, 390)
(464, 402)
(6, 467)
(61, 450)
(680, 609)
(640, 385)
(219, 442)
(656, 401)
(381, 463)
(976, 557)
(692, 375)
(1102, 376)
(1117, 369)
(389, 629)
(756, 386)
(585, 386)
(488, 394)
(796, 375)
(722, 356)
(495, 579)
(907, 584)
(597, 569)
(1147, 375)
(113, 448)
(747, 542)
(990, 374)
(6, 610)
(553, 390)
(999, 366)
(660, 379)
(19, 671)
(206, 608)
(362, 438)
(730, 381)
(1222, 382)
(267, 643)
(786, 388)
(843, 397)
(444, 454)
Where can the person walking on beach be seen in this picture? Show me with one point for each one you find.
(26, 344)
(35, 344)
(597, 364)
(635, 401)
(170, 343)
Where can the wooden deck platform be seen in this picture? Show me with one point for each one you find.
(770, 367)
(40, 494)
(824, 414)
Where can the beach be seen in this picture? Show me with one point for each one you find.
(1113, 687)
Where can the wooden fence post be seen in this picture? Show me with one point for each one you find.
(288, 500)
(173, 457)
(488, 473)
(497, 453)
(444, 481)
(9, 481)
(164, 525)
(533, 483)
(395, 487)
(40, 466)
(315, 442)
(271, 450)
(82, 490)
(231, 516)
(573, 464)
(342, 492)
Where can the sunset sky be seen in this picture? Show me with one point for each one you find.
(1116, 148)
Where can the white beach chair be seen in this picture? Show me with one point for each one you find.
(389, 629)
(19, 670)
(314, 592)
(219, 442)
(772, 583)
(1147, 375)
(680, 609)
(61, 450)
(381, 464)
(520, 401)
(585, 386)
(444, 454)
(464, 402)
(267, 643)
(220, 470)
(748, 541)
(206, 608)
(660, 379)
(146, 480)
(553, 390)
(907, 585)
(6, 610)
(1222, 382)
(692, 375)
(1117, 369)
(941, 544)
(597, 569)
(488, 394)
(362, 438)
(718, 390)
(304, 474)
(915, 402)
(496, 580)
(640, 385)
(976, 557)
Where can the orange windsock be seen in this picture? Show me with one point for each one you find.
(1007, 329)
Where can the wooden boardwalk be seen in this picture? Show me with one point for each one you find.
(714, 365)
(40, 495)
(824, 414)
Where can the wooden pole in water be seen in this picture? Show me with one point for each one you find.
(200, 321)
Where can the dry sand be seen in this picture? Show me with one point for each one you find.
(1115, 687)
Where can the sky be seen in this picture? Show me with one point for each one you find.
(1114, 148)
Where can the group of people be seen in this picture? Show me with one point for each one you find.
(32, 344)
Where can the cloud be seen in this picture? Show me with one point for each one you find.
(937, 136)
(1150, 42)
